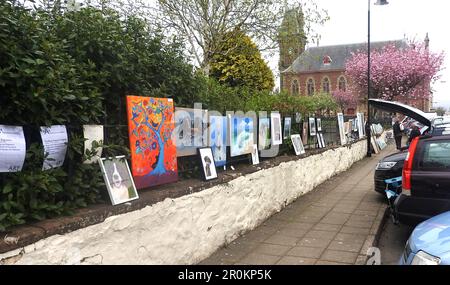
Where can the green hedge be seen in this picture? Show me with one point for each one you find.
(75, 68)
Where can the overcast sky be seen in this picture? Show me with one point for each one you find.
(399, 19)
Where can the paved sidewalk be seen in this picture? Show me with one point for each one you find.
(333, 224)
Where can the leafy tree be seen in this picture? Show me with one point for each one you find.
(238, 62)
(440, 111)
(203, 24)
(345, 99)
(396, 72)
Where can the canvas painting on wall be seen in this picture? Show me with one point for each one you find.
(275, 120)
(319, 124)
(264, 133)
(189, 130)
(255, 156)
(360, 125)
(218, 139)
(118, 179)
(287, 128)
(153, 151)
(305, 133)
(208, 165)
(312, 127)
(320, 140)
(341, 128)
(298, 118)
(93, 133)
(298, 145)
(241, 135)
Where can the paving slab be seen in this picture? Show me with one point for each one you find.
(334, 224)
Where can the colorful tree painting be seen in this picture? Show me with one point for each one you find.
(153, 152)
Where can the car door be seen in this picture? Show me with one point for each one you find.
(431, 169)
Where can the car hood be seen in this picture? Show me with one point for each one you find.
(416, 114)
(399, 156)
(433, 236)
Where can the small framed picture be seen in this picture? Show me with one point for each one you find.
(287, 127)
(255, 156)
(319, 124)
(298, 118)
(320, 140)
(298, 145)
(118, 179)
(312, 127)
(208, 164)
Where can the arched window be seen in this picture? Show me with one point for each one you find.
(310, 87)
(326, 85)
(342, 83)
(295, 87)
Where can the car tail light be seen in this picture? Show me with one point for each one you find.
(407, 167)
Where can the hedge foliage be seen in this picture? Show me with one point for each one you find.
(76, 67)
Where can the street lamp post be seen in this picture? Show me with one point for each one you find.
(368, 129)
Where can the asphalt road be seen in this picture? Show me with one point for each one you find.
(392, 242)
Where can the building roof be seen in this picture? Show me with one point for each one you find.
(312, 60)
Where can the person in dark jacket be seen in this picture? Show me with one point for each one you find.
(414, 133)
(397, 134)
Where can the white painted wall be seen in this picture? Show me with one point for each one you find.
(188, 229)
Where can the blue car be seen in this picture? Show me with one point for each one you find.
(429, 243)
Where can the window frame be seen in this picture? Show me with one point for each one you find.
(308, 80)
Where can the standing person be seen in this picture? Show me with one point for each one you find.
(397, 134)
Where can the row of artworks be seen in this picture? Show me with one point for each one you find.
(158, 135)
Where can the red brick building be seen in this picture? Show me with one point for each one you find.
(323, 69)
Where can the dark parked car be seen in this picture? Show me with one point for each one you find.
(391, 166)
(425, 180)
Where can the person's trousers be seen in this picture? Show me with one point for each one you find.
(398, 142)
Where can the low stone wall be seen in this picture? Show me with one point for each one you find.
(188, 229)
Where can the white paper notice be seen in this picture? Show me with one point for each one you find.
(12, 148)
(93, 133)
(55, 141)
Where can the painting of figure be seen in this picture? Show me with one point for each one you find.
(218, 139)
(341, 128)
(276, 128)
(312, 127)
(189, 130)
(241, 135)
(208, 165)
(298, 145)
(118, 180)
(153, 151)
(264, 133)
(287, 128)
(319, 124)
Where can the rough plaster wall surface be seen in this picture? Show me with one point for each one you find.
(188, 229)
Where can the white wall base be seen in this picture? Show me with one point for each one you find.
(188, 229)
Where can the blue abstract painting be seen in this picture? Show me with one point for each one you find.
(241, 136)
(218, 139)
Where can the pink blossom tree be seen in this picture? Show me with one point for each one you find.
(345, 99)
(396, 72)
